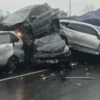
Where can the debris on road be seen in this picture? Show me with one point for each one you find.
(66, 83)
(46, 77)
(42, 75)
(73, 65)
(86, 69)
(85, 63)
(79, 84)
(81, 78)
(91, 67)
(88, 74)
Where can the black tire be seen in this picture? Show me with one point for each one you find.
(28, 40)
(12, 64)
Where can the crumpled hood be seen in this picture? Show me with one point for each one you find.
(12, 20)
(18, 16)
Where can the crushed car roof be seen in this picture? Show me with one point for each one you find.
(18, 16)
(77, 22)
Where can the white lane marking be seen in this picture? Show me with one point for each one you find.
(84, 78)
(31, 73)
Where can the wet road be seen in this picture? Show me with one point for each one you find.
(37, 87)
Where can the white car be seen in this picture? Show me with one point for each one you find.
(11, 52)
(81, 36)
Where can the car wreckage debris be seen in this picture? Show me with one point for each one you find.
(81, 78)
(41, 40)
(50, 44)
(46, 77)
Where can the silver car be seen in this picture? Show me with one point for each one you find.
(11, 52)
(81, 36)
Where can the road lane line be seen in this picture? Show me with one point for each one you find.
(82, 78)
(18, 76)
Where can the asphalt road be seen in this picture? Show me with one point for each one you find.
(52, 85)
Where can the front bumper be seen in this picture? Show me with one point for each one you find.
(61, 59)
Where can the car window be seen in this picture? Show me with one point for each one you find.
(82, 28)
(65, 24)
(42, 9)
(14, 38)
(5, 38)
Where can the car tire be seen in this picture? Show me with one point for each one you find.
(12, 64)
(28, 40)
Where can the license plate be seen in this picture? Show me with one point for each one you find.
(52, 61)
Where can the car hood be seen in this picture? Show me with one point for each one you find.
(18, 16)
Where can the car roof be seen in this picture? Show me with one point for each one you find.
(76, 22)
(19, 16)
(13, 32)
(80, 23)
(27, 8)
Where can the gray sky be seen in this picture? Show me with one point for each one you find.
(77, 5)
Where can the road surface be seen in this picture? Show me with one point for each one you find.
(50, 85)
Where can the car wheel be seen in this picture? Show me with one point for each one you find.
(28, 39)
(12, 64)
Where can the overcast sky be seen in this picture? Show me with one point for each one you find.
(77, 5)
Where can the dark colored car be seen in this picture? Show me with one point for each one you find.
(34, 19)
(51, 49)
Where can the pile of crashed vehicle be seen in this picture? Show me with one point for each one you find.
(36, 35)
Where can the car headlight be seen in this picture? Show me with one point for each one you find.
(19, 33)
(66, 49)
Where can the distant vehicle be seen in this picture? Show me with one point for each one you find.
(31, 21)
(11, 53)
(81, 36)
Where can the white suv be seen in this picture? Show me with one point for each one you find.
(81, 36)
(11, 52)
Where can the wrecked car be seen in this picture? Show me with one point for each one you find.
(50, 49)
(81, 36)
(37, 25)
(31, 21)
(11, 52)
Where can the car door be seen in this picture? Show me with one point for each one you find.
(34, 22)
(17, 46)
(43, 20)
(90, 41)
(73, 36)
(37, 23)
(6, 47)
